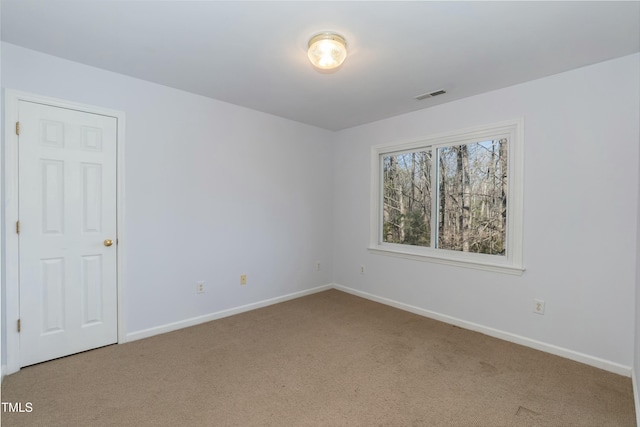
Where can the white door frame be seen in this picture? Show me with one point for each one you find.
(11, 253)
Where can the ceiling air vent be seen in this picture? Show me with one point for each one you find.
(430, 94)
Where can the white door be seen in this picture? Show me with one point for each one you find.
(67, 211)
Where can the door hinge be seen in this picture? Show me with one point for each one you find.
(18, 227)
(17, 128)
(19, 326)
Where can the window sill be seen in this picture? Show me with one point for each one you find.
(441, 259)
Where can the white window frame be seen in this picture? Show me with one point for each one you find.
(511, 262)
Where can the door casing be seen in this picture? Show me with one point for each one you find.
(11, 302)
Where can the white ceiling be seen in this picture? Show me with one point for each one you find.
(253, 54)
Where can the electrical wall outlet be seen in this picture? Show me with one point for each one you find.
(362, 269)
(318, 266)
(243, 279)
(538, 306)
(200, 287)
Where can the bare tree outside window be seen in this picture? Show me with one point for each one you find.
(407, 198)
(471, 197)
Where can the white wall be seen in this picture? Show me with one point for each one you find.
(3, 343)
(212, 191)
(636, 358)
(581, 202)
(215, 190)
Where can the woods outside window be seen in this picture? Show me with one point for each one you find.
(454, 198)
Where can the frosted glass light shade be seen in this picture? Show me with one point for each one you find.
(327, 51)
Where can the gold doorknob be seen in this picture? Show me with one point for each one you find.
(108, 242)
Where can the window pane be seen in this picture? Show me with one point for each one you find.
(472, 199)
(407, 198)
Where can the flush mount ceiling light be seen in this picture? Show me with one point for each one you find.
(327, 50)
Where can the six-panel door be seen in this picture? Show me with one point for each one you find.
(67, 209)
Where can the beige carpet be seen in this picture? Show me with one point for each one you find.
(329, 359)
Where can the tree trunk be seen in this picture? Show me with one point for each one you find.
(426, 201)
(465, 195)
(443, 205)
(503, 169)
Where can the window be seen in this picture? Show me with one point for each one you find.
(453, 198)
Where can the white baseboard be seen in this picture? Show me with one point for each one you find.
(636, 395)
(146, 333)
(507, 336)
